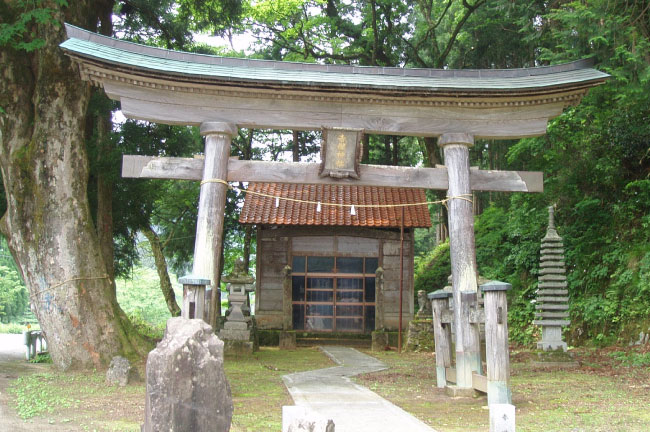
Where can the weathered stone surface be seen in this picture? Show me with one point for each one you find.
(379, 340)
(425, 311)
(119, 371)
(238, 331)
(287, 340)
(420, 336)
(552, 304)
(301, 419)
(187, 389)
(502, 418)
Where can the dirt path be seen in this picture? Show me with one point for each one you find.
(12, 366)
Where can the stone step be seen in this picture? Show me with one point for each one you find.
(552, 292)
(551, 307)
(552, 299)
(552, 278)
(552, 263)
(328, 341)
(552, 244)
(552, 251)
(548, 322)
(547, 284)
(552, 270)
(552, 314)
(552, 257)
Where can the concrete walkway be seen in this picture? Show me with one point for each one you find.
(354, 408)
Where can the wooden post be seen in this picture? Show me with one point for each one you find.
(463, 257)
(287, 298)
(496, 342)
(401, 281)
(379, 299)
(442, 334)
(212, 203)
(193, 296)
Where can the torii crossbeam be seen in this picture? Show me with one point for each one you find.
(222, 94)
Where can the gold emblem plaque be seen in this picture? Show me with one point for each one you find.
(341, 152)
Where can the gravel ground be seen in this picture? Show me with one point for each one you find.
(11, 347)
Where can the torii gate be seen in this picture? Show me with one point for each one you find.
(222, 94)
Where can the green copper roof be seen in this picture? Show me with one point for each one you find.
(125, 55)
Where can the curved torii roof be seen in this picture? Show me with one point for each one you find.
(183, 88)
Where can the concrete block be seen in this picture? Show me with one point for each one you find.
(502, 418)
(287, 340)
(301, 419)
(455, 391)
(379, 341)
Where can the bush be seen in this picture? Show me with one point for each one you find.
(12, 328)
(432, 270)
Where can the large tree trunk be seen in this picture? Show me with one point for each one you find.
(161, 268)
(47, 223)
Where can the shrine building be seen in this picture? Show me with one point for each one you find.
(333, 253)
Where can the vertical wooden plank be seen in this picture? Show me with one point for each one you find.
(496, 342)
(379, 298)
(212, 203)
(463, 257)
(441, 334)
(287, 294)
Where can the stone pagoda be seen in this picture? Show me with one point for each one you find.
(552, 295)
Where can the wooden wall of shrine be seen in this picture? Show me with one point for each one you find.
(308, 251)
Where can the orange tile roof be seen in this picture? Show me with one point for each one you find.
(262, 210)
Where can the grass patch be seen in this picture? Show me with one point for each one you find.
(257, 388)
(39, 394)
(16, 328)
(83, 401)
(608, 397)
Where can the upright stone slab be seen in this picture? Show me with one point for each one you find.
(187, 389)
(379, 335)
(552, 294)
(420, 335)
(287, 335)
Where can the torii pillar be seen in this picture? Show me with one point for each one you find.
(463, 255)
(212, 205)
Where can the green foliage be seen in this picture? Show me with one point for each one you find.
(141, 300)
(12, 328)
(13, 294)
(41, 358)
(631, 358)
(20, 27)
(432, 270)
(34, 396)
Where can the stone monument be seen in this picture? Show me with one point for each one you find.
(187, 389)
(379, 335)
(420, 334)
(237, 332)
(552, 294)
(287, 335)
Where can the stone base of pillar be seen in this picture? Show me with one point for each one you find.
(238, 347)
(502, 418)
(420, 336)
(551, 339)
(379, 341)
(287, 340)
(455, 391)
(557, 359)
